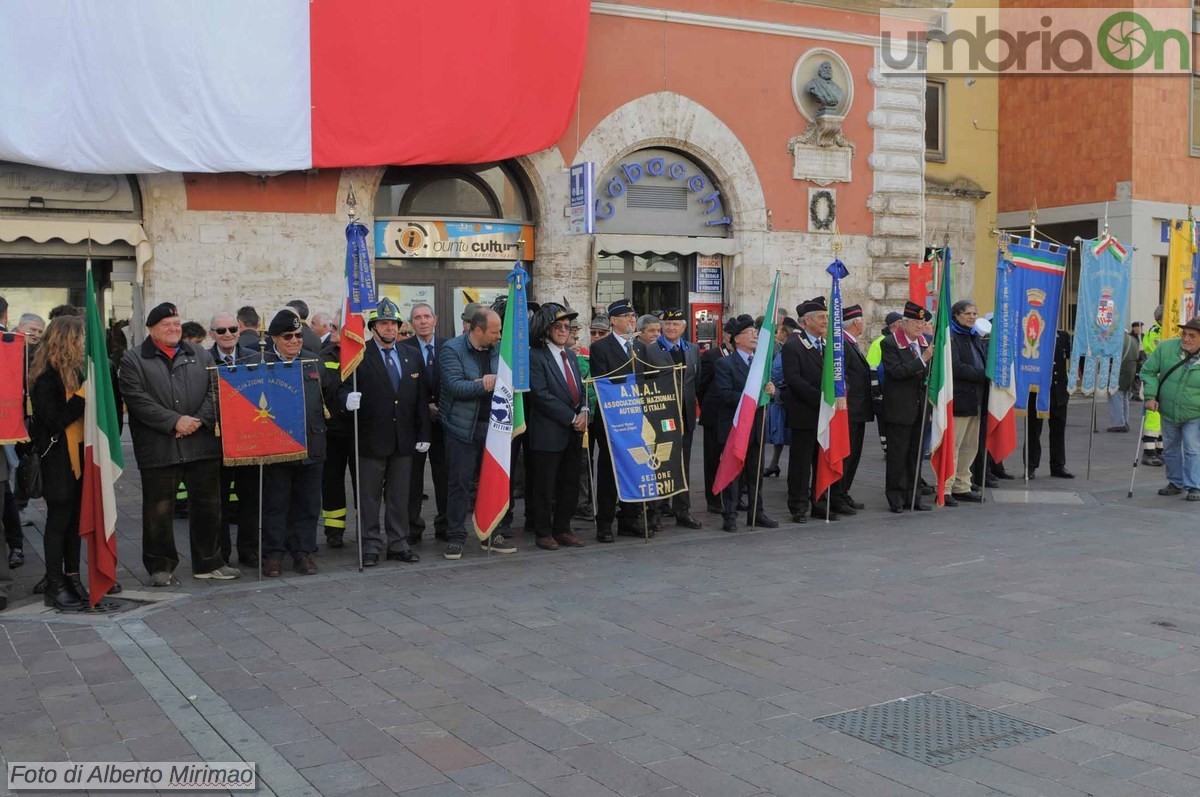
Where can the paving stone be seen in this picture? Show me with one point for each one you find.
(446, 753)
(701, 779)
(527, 761)
(339, 778)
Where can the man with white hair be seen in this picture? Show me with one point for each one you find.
(323, 325)
(803, 362)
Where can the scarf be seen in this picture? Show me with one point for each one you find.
(75, 438)
(959, 329)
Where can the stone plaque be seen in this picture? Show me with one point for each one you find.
(821, 165)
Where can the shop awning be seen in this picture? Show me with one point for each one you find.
(279, 85)
(74, 232)
(665, 244)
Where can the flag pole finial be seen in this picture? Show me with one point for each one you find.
(351, 203)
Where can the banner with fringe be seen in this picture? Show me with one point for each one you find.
(261, 413)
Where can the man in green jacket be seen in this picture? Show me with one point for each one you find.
(1172, 379)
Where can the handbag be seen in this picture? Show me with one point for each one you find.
(29, 471)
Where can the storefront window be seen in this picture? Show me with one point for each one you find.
(661, 264)
(483, 191)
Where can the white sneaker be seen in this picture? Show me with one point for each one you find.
(224, 573)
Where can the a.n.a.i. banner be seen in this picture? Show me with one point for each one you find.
(12, 389)
(1100, 315)
(1037, 287)
(645, 433)
(261, 408)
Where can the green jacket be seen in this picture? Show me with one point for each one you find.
(1178, 397)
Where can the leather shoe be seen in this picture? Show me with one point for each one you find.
(547, 543)
(729, 525)
(842, 508)
(334, 541)
(370, 559)
(764, 522)
(687, 521)
(818, 513)
(895, 508)
(949, 500)
(409, 557)
(1121, 428)
(1031, 475)
(856, 504)
(991, 481)
(569, 541)
(605, 535)
(272, 568)
(922, 508)
(16, 558)
(799, 517)
(1061, 473)
(926, 489)
(1002, 474)
(971, 497)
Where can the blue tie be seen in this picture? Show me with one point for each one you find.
(393, 368)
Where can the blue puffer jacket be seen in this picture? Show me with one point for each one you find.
(462, 386)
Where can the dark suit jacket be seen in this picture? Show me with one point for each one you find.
(550, 409)
(704, 392)
(240, 353)
(691, 375)
(608, 357)
(248, 339)
(429, 374)
(858, 384)
(729, 382)
(904, 389)
(802, 366)
(312, 341)
(390, 422)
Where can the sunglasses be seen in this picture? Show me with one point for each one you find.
(406, 334)
(598, 332)
(224, 330)
(291, 335)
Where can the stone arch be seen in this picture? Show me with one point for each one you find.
(668, 119)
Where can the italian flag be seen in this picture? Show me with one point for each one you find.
(754, 395)
(833, 424)
(102, 460)
(507, 422)
(941, 386)
(1001, 434)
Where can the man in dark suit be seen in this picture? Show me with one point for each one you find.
(1059, 400)
(427, 344)
(708, 413)
(613, 356)
(557, 417)
(803, 362)
(239, 483)
(859, 405)
(683, 352)
(905, 359)
(393, 424)
(729, 382)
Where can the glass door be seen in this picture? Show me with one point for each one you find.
(654, 282)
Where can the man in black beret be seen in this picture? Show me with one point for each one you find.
(729, 382)
(803, 359)
(905, 359)
(167, 391)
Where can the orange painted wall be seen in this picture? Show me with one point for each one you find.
(290, 192)
(1163, 168)
(744, 79)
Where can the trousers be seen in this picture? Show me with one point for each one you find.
(291, 505)
(159, 485)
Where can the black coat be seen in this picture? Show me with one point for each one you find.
(1059, 397)
(429, 374)
(550, 410)
(729, 382)
(859, 406)
(157, 392)
(904, 389)
(52, 414)
(802, 366)
(390, 422)
(704, 392)
(320, 387)
(608, 358)
(970, 378)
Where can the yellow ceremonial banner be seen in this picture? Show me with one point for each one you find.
(1179, 294)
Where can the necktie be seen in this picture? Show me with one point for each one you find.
(428, 354)
(750, 360)
(229, 359)
(571, 386)
(393, 368)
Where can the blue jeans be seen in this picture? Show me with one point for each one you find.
(1181, 452)
(1118, 408)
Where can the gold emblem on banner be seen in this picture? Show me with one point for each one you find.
(1033, 325)
(264, 409)
(654, 453)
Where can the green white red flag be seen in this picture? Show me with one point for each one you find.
(833, 423)
(102, 459)
(941, 385)
(754, 395)
(507, 418)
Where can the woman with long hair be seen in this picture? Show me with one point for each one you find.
(56, 379)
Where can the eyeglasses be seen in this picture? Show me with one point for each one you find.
(406, 334)
(224, 330)
(598, 333)
(290, 335)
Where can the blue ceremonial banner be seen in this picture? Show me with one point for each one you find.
(1038, 269)
(519, 279)
(837, 269)
(645, 434)
(1100, 316)
(1002, 345)
(261, 413)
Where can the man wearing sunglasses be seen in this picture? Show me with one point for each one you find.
(239, 483)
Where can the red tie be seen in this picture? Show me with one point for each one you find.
(571, 386)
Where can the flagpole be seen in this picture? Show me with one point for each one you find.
(262, 359)
(921, 434)
(1092, 431)
(352, 213)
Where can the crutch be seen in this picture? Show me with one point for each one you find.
(1137, 454)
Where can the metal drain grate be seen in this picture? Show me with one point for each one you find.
(932, 729)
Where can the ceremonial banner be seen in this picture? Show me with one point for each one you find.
(833, 423)
(507, 419)
(920, 281)
(645, 433)
(1002, 363)
(941, 386)
(261, 412)
(1103, 306)
(360, 299)
(1037, 289)
(1183, 273)
(103, 461)
(12, 389)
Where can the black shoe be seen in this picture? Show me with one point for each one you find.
(818, 513)
(922, 508)
(926, 489)
(949, 500)
(16, 558)
(743, 505)
(1030, 473)
(60, 596)
(855, 504)
(116, 588)
(1061, 473)
(334, 541)
(248, 559)
(1121, 428)
(370, 559)
(411, 557)
(687, 521)
(605, 535)
(971, 497)
(844, 508)
(1000, 473)
(1170, 489)
(729, 525)
(991, 481)
(3, 602)
(764, 522)
(771, 471)
(1153, 460)
(800, 518)
(897, 508)
(40, 587)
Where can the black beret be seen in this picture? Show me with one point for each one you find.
(737, 326)
(914, 310)
(810, 306)
(164, 310)
(673, 314)
(851, 312)
(284, 321)
(791, 323)
(729, 325)
(892, 318)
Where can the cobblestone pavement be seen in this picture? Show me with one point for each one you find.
(694, 664)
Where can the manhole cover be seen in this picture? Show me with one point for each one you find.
(932, 729)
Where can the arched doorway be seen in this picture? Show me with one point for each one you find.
(449, 235)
